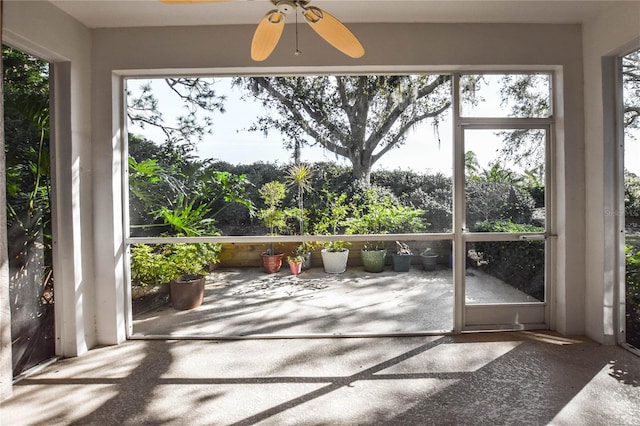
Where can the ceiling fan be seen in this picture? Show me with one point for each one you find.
(271, 26)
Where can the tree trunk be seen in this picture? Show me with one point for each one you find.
(361, 169)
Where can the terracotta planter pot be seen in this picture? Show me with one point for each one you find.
(271, 263)
(295, 267)
(187, 292)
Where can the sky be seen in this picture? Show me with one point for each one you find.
(231, 142)
(424, 151)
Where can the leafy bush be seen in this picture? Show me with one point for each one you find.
(494, 201)
(437, 209)
(331, 219)
(518, 263)
(631, 195)
(375, 211)
(160, 264)
(632, 278)
(431, 193)
(505, 226)
(273, 215)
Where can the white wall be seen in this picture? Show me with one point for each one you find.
(42, 30)
(389, 47)
(608, 35)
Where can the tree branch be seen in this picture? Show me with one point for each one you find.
(304, 124)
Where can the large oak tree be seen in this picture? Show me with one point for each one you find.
(360, 118)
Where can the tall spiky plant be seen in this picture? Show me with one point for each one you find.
(299, 175)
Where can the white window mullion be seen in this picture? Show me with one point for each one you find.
(459, 244)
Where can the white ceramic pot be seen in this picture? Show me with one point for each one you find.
(335, 262)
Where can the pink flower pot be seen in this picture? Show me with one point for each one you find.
(296, 267)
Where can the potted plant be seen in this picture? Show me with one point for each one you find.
(304, 250)
(274, 218)
(402, 257)
(373, 255)
(300, 176)
(429, 259)
(335, 256)
(369, 217)
(295, 263)
(182, 265)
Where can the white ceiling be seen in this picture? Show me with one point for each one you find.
(132, 13)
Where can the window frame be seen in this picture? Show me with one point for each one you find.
(458, 236)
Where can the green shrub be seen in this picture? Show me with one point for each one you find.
(632, 278)
(374, 211)
(431, 193)
(518, 263)
(438, 209)
(631, 195)
(159, 264)
(487, 200)
(330, 220)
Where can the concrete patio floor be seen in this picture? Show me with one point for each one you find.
(518, 378)
(249, 302)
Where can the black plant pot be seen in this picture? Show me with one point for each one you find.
(401, 262)
(429, 261)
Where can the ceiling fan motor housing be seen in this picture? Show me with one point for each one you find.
(288, 6)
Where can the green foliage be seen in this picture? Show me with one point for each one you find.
(273, 216)
(505, 226)
(632, 278)
(300, 176)
(188, 219)
(488, 200)
(631, 195)
(27, 165)
(272, 193)
(374, 212)
(185, 197)
(533, 183)
(631, 84)
(332, 219)
(160, 264)
(431, 193)
(518, 263)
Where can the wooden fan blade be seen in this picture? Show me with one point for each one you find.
(333, 31)
(267, 35)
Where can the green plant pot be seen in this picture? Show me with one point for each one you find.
(187, 292)
(373, 260)
(401, 262)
